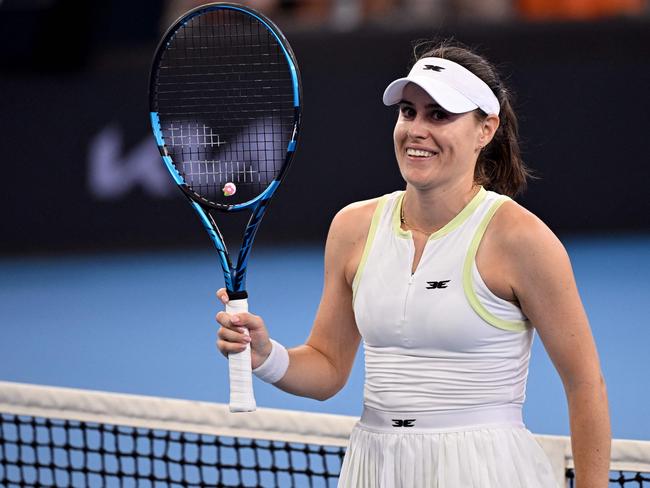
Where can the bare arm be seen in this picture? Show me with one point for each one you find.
(319, 368)
(542, 281)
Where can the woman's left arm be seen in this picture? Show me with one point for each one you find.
(543, 282)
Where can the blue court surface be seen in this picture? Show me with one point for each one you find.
(144, 324)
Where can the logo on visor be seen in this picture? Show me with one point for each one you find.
(433, 67)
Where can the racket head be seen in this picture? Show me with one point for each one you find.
(225, 105)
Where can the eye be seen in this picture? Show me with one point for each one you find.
(407, 111)
(439, 114)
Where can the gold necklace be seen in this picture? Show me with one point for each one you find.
(403, 221)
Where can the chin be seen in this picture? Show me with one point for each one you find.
(419, 177)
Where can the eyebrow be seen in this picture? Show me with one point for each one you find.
(429, 105)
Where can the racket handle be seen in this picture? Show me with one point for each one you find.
(242, 398)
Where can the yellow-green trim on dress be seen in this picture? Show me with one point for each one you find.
(453, 224)
(376, 216)
(470, 293)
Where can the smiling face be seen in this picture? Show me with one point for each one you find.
(434, 147)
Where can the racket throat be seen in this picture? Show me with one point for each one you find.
(237, 288)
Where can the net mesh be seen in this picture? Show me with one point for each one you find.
(46, 452)
(57, 437)
(617, 478)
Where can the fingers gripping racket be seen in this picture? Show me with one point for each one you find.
(225, 110)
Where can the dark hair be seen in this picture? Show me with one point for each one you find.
(499, 166)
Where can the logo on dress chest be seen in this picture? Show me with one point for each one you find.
(435, 285)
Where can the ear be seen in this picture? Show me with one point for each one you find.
(488, 128)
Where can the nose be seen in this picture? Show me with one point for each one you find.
(417, 129)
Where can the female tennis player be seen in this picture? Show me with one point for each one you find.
(445, 282)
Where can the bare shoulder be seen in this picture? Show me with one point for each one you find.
(347, 237)
(523, 253)
(353, 221)
(518, 231)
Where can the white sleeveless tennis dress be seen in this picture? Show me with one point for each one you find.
(446, 364)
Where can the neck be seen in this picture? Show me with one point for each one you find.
(428, 211)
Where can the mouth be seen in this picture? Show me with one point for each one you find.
(420, 153)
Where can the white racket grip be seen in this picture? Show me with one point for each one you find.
(242, 398)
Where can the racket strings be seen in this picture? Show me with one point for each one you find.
(225, 100)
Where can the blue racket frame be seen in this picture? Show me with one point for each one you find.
(234, 274)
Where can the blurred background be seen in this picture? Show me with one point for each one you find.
(107, 279)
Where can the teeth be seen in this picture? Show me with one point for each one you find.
(419, 153)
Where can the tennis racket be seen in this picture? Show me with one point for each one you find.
(225, 107)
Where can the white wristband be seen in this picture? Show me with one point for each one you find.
(275, 365)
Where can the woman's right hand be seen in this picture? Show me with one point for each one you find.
(232, 336)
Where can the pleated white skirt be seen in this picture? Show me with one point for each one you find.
(491, 456)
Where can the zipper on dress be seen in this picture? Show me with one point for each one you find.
(403, 332)
(406, 298)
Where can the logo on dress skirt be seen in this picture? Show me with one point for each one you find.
(403, 422)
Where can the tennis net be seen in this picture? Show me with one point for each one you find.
(61, 437)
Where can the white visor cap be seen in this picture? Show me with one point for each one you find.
(454, 88)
